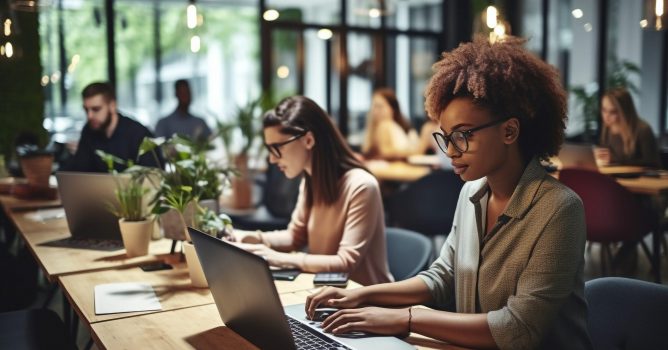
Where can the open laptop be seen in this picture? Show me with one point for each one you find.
(248, 303)
(85, 198)
(579, 156)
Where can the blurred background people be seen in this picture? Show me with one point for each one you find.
(625, 138)
(109, 131)
(388, 134)
(181, 122)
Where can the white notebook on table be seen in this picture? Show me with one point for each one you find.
(114, 298)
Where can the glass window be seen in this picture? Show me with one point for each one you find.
(403, 15)
(221, 62)
(423, 54)
(326, 12)
(625, 50)
(572, 48)
(84, 61)
(284, 68)
(360, 84)
(135, 60)
(532, 25)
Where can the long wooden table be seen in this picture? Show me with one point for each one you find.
(172, 287)
(396, 171)
(203, 330)
(56, 261)
(11, 203)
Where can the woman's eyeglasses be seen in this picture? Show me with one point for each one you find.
(460, 138)
(275, 148)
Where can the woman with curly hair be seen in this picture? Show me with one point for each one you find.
(625, 138)
(510, 274)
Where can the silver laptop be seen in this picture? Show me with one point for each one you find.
(248, 303)
(85, 197)
(579, 156)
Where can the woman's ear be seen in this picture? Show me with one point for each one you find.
(309, 140)
(511, 129)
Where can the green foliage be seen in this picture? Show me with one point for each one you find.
(22, 106)
(130, 191)
(188, 176)
(109, 159)
(212, 224)
(248, 119)
(130, 198)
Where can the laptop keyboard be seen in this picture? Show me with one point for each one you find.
(86, 243)
(309, 339)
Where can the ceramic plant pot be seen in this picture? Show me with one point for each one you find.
(194, 267)
(136, 236)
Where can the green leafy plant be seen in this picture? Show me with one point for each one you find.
(130, 190)
(130, 198)
(247, 120)
(215, 225)
(187, 178)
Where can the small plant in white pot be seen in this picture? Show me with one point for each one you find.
(134, 217)
(135, 221)
(212, 224)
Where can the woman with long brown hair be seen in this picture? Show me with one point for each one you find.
(388, 134)
(625, 138)
(339, 213)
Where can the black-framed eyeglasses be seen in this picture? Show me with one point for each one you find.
(459, 138)
(275, 148)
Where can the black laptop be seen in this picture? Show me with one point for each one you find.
(248, 303)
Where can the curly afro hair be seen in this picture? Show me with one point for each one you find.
(510, 82)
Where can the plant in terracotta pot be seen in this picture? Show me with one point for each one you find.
(36, 164)
(243, 131)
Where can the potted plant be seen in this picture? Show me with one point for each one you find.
(215, 225)
(188, 177)
(134, 219)
(187, 181)
(243, 130)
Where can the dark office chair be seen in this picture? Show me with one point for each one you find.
(279, 197)
(33, 330)
(408, 252)
(627, 314)
(427, 205)
(612, 213)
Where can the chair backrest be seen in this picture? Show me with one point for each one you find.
(627, 314)
(426, 205)
(612, 213)
(408, 252)
(279, 194)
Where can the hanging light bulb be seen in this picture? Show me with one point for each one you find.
(270, 15)
(492, 14)
(8, 27)
(195, 44)
(654, 15)
(9, 50)
(658, 11)
(191, 15)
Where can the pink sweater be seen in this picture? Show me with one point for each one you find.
(348, 235)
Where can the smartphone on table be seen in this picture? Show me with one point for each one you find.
(336, 279)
